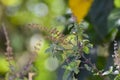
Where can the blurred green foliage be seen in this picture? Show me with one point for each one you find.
(103, 19)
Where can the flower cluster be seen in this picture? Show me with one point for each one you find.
(116, 55)
(53, 34)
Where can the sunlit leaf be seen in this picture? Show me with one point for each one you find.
(11, 2)
(117, 77)
(86, 49)
(4, 65)
(117, 3)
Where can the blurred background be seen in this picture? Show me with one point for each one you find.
(102, 18)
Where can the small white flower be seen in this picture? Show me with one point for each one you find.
(117, 67)
(118, 22)
(116, 72)
(105, 73)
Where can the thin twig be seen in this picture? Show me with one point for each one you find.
(27, 67)
(9, 52)
(87, 61)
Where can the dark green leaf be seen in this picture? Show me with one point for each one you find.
(114, 19)
(98, 16)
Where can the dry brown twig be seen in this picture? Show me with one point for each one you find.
(30, 75)
(26, 69)
(9, 52)
(9, 56)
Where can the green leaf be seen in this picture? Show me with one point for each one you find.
(73, 66)
(85, 41)
(59, 57)
(117, 3)
(75, 48)
(85, 35)
(90, 45)
(74, 78)
(87, 67)
(49, 50)
(76, 70)
(114, 19)
(66, 75)
(98, 16)
(117, 77)
(86, 49)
